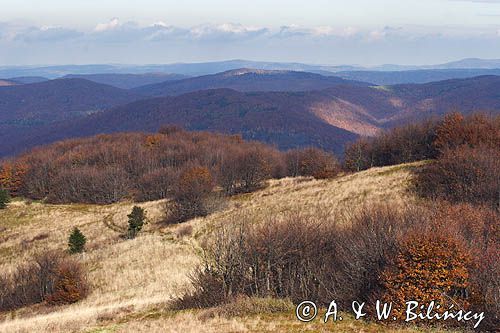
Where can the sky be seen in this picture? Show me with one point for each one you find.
(361, 32)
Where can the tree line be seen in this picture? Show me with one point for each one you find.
(108, 168)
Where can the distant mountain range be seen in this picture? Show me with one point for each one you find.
(245, 79)
(206, 68)
(24, 109)
(413, 76)
(128, 81)
(28, 79)
(49, 111)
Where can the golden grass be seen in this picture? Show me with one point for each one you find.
(132, 280)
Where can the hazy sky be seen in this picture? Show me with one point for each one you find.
(316, 31)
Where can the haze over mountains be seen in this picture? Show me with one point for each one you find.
(26, 108)
(245, 79)
(128, 81)
(206, 68)
(285, 108)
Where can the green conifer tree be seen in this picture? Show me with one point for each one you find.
(136, 220)
(77, 241)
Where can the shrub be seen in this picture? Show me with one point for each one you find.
(244, 170)
(427, 267)
(4, 198)
(382, 252)
(409, 143)
(312, 162)
(136, 220)
(70, 285)
(478, 228)
(76, 242)
(475, 130)
(184, 231)
(463, 174)
(207, 291)
(299, 256)
(421, 141)
(190, 194)
(41, 280)
(12, 176)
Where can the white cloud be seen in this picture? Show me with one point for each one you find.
(112, 24)
(229, 31)
(37, 34)
(117, 41)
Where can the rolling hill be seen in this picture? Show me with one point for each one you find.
(28, 79)
(326, 118)
(57, 100)
(116, 266)
(207, 68)
(414, 76)
(128, 81)
(26, 108)
(248, 80)
(277, 118)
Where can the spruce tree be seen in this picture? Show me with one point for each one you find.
(4, 198)
(136, 220)
(77, 241)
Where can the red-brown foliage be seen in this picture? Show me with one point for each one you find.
(11, 176)
(404, 144)
(190, 193)
(435, 252)
(49, 277)
(427, 267)
(463, 174)
(107, 168)
(312, 162)
(426, 140)
(475, 130)
(70, 285)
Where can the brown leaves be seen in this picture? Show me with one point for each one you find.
(427, 268)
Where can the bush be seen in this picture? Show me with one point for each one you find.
(409, 143)
(427, 267)
(475, 130)
(184, 231)
(382, 252)
(70, 285)
(245, 170)
(77, 240)
(478, 228)
(299, 257)
(190, 194)
(463, 174)
(422, 141)
(47, 276)
(311, 162)
(136, 220)
(12, 176)
(4, 198)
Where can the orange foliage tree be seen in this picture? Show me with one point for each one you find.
(12, 176)
(428, 267)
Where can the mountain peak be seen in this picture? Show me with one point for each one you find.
(243, 71)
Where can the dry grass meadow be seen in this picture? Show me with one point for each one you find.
(132, 281)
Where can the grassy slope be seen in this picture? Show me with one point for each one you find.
(132, 280)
